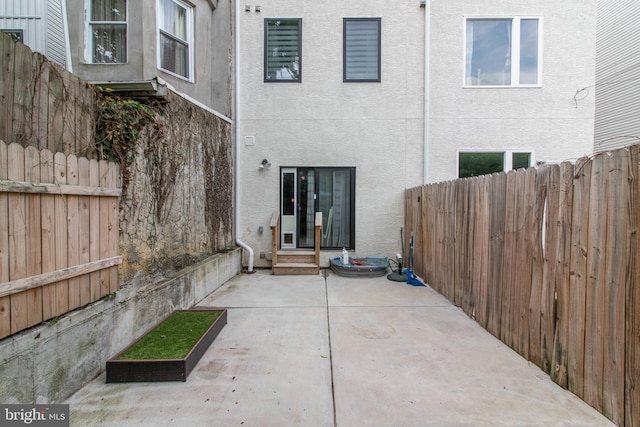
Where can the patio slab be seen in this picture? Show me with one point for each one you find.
(316, 351)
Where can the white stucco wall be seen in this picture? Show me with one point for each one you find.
(547, 119)
(378, 127)
(375, 127)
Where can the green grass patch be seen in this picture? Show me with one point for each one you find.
(174, 337)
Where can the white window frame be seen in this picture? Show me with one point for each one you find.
(515, 49)
(88, 46)
(507, 159)
(190, 40)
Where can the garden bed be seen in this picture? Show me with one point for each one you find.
(171, 350)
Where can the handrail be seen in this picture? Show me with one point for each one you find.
(275, 236)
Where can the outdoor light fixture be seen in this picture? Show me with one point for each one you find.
(265, 164)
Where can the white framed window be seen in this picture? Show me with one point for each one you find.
(361, 49)
(106, 32)
(485, 162)
(175, 38)
(503, 52)
(282, 50)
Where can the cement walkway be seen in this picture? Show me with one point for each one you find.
(310, 351)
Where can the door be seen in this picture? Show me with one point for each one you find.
(307, 190)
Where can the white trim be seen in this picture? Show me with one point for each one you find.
(65, 29)
(427, 88)
(515, 49)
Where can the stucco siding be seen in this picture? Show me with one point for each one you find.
(550, 120)
(378, 128)
(375, 127)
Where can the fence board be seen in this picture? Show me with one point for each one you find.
(114, 229)
(47, 218)
(34, 248)
(481, 205)
(616, 267)
(61, 234)
(578, 278)
(632, 309)
(506, 281)
(84, 222)
(496, 239)
(94, 229)
(73, 233)
(7, 48)
(18, 222)
(5, 302)
(594, 336)
(562, 255)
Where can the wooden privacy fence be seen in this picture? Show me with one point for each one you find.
(58, 234)
(547, 261)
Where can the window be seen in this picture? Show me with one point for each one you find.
(107, 40)
(175, 22)
(282, 50)
(16, 35)
(361, 50)
(488, 162)
(502, 52)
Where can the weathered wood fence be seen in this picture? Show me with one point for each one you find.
(42, 105)
(546, 260)
(59, 237)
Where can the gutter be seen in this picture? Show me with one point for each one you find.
(426, 4)
(236, 199)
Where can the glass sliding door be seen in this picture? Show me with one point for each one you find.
(307, 190)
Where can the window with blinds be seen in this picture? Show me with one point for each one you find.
(282, 50)
(361, 50)
(107, 32)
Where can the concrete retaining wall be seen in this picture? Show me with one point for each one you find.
(51, 361)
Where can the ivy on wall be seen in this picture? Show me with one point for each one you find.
(119, 123)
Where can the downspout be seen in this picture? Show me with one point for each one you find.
(236, 198)
(426, 4)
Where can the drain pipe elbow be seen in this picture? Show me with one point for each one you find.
(236, 198)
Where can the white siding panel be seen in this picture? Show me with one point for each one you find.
(617, 121)
(55, 41)
(27, 15)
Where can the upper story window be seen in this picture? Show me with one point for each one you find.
(175, 35)
(502, 52)
(361, 50)
(282, 50)
(107, 40)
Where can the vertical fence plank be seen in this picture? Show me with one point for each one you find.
(113, 227)
(594, 338)
(105, 216)
(632, 309)
(61, 233)
(537, 274)
(578, 277)
(18, 222)
(496, 250)
(616, 267)
(5, 302)
(427, 234)
(41, 102)
(507, 280)
(47, 218)
(481, 206)
(73, 239)
(7, 48)
(562, 241)
(94, 228)
(34, 239)
(84, 221)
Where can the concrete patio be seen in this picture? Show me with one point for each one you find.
(335, 351)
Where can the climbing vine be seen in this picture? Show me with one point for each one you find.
(119, 123)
